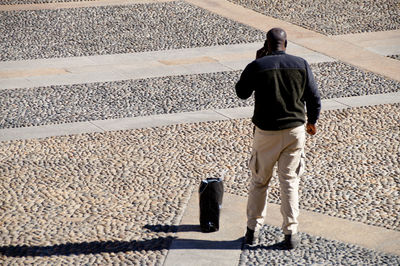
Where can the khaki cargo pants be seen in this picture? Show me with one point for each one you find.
(286, 148)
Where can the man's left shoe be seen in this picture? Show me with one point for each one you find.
(291, 241)
(249, 237)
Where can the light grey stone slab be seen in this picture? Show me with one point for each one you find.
(172, 70)
(237, 64)
(130, 123)
(368, 100)
(178, 53)
(117, 59)
(47, 131)
(219, 248)
(12, 83)
(237, 113)
(100, 68)
(205, 68)
(199, 255)
(385, 49)
(158, 120)
(76, 78)
(87, 69)
(195, 117)
(235, 49)
(314, 58)
(380, 42)
(210, 51)
(149, 66)
(331, 104)
(63, 62)
(293, 46)
(158, 70)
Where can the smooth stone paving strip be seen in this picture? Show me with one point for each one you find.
(165, 95)
(134, 184)
(332, 17)
(312, 250)
(100, 68)
(217, 248)
(381, 42)
(115, 29)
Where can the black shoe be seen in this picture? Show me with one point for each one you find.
(291, 241)
(249, 237)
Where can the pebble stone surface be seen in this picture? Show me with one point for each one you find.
(117, 197)
(332, 17)
(132, 98)
(115, 29)
(119, 194)
(313, 250)
(113, 197)
(352, 166)
(21, 2)
(397, 56)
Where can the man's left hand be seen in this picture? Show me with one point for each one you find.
(311, 129)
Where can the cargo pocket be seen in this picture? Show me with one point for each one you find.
(253, 163)
(302, 165)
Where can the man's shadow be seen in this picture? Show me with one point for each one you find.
(85, 248)
(154, 244)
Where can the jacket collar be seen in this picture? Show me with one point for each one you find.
(277, 52)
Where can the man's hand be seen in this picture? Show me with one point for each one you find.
(261, 53)
(311, 129)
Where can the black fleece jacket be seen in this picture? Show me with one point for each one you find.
(283, 86)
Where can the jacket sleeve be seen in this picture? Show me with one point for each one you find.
(246, 84)
(312, 97)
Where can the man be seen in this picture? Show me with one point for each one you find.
(283, 85)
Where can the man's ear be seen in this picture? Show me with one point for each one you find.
(285, 43)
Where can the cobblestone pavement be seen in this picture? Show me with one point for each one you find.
(313, 250)
(397, 56)
(103, 190)
(117, 197)
(110, 186)
(19, 2)
(352, 169)
(332, 17)
(45, 33)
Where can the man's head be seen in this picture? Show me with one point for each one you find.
(276, 40)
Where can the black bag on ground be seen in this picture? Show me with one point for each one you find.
(210, 198)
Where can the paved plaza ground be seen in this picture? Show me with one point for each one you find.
(112, 112)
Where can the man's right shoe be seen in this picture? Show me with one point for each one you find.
(249, 237)
(291, 241)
